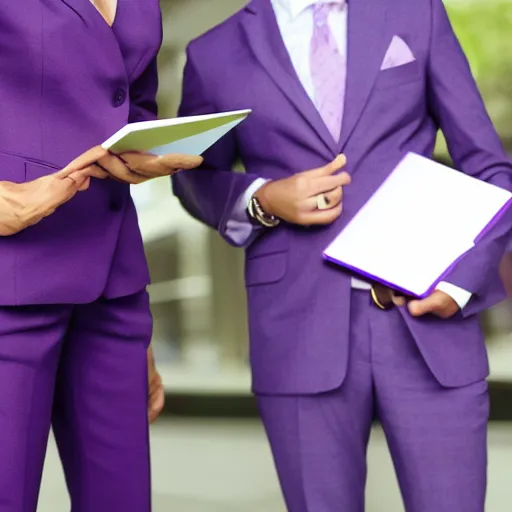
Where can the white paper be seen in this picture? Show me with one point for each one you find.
(418, 223)
(186, 135)
(197, 144)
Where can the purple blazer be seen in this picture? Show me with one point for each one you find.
(68, 82)
(299, 306)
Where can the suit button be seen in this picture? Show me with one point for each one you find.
(119, 97)
(116, 205)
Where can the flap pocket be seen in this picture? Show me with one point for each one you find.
(34, 170)
(12, 168)
(271, 241)
(18, 169)
(267, 269)
(398, 75)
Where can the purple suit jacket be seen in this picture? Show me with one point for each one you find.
(299, 306)
(68, 82)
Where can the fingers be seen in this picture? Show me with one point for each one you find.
(327, 183)
(118, 169)
(61, 192)
(398, 300)
(185, 162)
(152, 166)
(332, 198)
(156, 391)
(85, 185)
(92, 171)
(435, 303)
(332, 167)
(84, 160)
(156, 402)
(320, 217)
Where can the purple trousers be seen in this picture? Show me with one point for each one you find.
(437, 436)
(83, 370)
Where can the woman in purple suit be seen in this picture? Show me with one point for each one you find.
(75, 323)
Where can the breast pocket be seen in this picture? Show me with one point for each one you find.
(398, 75)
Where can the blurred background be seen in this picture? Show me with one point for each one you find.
(209, 451)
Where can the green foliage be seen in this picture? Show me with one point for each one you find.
(483, 31)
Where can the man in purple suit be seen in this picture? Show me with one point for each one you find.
(75, 323)
(372, 80)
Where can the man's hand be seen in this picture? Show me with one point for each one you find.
(135, 168)
(156, 389)
(295, 199)
(437, 303)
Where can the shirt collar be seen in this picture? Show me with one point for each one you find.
(296, 7)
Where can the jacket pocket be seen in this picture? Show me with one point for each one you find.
(267, 257)
(35, 170)
(398, 75)
(12, 168)
(18, 169)
(266, 269)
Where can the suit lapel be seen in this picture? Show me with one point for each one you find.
(265, 41)
(80, 7)
(88, 12)
(368, 37)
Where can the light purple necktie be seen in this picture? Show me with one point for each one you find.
(328, 69)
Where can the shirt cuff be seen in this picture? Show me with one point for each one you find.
(459, 295)
(238, 227)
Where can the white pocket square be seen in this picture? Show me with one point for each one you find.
(398, 54)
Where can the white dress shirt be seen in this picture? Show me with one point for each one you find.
(295, 21)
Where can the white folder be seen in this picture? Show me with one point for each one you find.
(191, 135)
(418, 225)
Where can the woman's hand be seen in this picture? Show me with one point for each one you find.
(25, 204)
(156, 389)
(135, 168)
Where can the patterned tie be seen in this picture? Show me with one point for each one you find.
(328, 69)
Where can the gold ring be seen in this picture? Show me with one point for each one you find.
(322, 202)
(378, 303)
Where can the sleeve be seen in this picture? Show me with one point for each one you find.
(239, 229)
(143, 106)
(210, 193)
(459, 111)
(459, 295)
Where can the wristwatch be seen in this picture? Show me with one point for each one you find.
(258, 215)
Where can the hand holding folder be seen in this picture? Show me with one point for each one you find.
(421, 247)
(151, 149)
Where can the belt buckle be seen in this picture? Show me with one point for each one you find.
(377, 301)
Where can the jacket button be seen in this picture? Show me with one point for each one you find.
(119, 97)
(116, 204)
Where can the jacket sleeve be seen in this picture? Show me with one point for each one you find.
(475, 148)
(211, 192)
(143, 105)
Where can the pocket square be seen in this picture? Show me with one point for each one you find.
(398, 54)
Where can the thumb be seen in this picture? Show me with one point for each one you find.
(428, 305)
(331, 168)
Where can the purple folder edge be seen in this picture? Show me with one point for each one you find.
(376, 279)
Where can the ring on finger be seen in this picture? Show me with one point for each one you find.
(323, 202)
